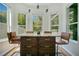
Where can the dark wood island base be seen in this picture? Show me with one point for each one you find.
(37, 46)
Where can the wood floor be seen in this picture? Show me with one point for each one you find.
(16, 52)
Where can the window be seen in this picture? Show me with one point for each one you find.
(54, 23)
(21, 23)
(37, 23)
(3, 21)
(73, 20)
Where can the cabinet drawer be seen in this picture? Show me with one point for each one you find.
(28, 53)
(46, 40)
(31, 44)
(31, 39)
(46, 51)
(46, 46)
(42, 49)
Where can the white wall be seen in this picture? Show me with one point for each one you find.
(12, 19)
(46, 22)
(63, 19)
(29, 23)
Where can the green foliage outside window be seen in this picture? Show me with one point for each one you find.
(55, 23)
(3, 13)
(54, 28)
(21, 23)
(37, 23)
(73, 19)
(21, 19)
(3, 21)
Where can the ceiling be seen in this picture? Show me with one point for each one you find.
(33, 6)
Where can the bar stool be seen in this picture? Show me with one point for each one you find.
(64, 39)
(13, 39)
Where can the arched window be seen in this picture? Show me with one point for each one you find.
(37, 23)
(54, 23)
(21, 23)
(73, 21)
(3, 21)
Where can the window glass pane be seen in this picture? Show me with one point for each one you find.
(3, 21)
(37, 29)
(55, 21)
(21, 19)
(73, 30)
(37, 23)
(3, 13)
(21, 29)
(73, 19)
(73, 13)
(21, 23)
(54, 28)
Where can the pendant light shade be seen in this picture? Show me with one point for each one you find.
(46, 10)
(37, 6)
(29, 10)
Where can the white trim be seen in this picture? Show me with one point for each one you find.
(52, 19)
(36, 26)
(69, 24)
(54, 25)
(2, 40)
(37, 16)
(24, 25)
(78, 22)
(73, 41)
(71, 12)
(73, 23)
(5, 5)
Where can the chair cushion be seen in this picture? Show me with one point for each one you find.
(61, 42)
(13, 34)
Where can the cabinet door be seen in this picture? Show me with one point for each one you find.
(46, 51)
(28, 46)
(47, 46)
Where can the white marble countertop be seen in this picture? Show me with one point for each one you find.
(34, 34)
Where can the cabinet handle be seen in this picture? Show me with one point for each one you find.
(29, 46)
(47, 46)
(28, 39)
(28, 54)
(47, 39)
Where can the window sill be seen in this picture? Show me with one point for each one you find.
(2, 40)
(73, 41)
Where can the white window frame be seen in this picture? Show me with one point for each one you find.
(41, 21)
(55, 25)
(5, 39)
(68, 24)
(21, 25)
